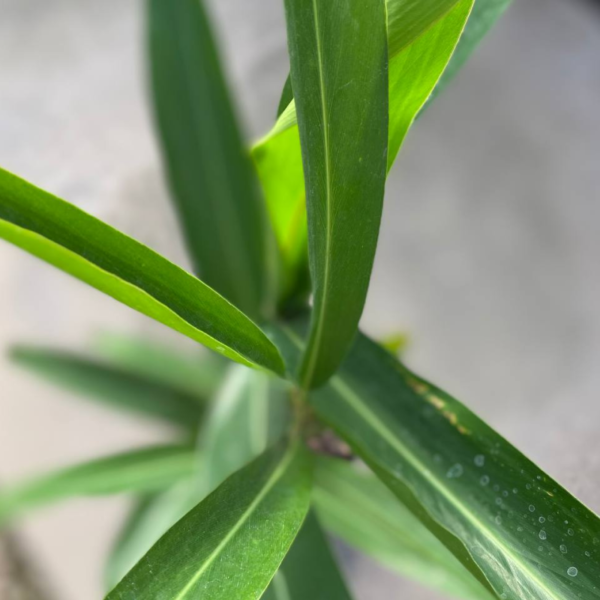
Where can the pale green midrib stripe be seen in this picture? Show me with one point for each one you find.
(281, 587)
(273, 479)
(395, 443)
(314, 346)
(360, 408)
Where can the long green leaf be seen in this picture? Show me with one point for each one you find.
(483, 17)
(415, 71)
(94, 252)
(421, 39)
(517, 530)
(338, 56)
(249, 413)
(310, 570)
(213, 183)
(140, 470)
(232, 543)
(356, 507)
(112, 385)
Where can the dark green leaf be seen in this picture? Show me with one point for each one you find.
(139, 470)
(355, 506)
(90, 250)
(517, 531)
(309, 571)
(113, 385)
(198, 374)
(338, 56)
(221, 211)
(483, 17)
(232, 543)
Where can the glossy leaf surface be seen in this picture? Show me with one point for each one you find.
(213, 183)
(112, 385)
(139, 470)
(356, 507)
(517, 531)
(309, 570)
(338, 57)
(117, 265)
(232, 543)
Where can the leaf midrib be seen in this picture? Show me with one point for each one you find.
(273, 479)
(318, 333)
(353, 399)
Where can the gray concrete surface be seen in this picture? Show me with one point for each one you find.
(488, 257)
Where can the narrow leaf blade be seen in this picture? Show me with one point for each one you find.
(147, 469)
(211, 177)
(309, 570)
(207, 552)
(112, 385)
(498, 513)
(338, 56)
(117, 265)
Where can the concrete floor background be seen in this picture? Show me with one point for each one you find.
(488, 256)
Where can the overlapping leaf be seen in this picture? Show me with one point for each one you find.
(213, 183)
(516, 530)
(99, 255)
(421, 39)
(338, 57)
(232, 543)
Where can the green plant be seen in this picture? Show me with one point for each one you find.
(257, 471)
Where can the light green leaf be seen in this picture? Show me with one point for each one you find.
(232, 543)
(356, 507)
(309, 571)
(112, 385)
(139, 470)
(211, 176)
(415, 71)
(94, 252)
(483, 17)
(196, 373)
(517, 530)
(250, 413)
(338, 56)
